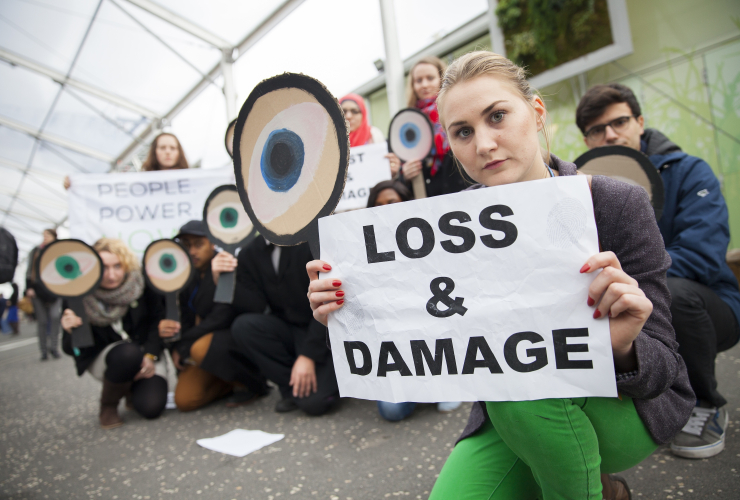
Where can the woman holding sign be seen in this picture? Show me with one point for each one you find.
(441, 175)
(124, 317)
(558, 448)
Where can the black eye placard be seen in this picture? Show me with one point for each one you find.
(627, 165)
(167, 270)
(72, 269)
(291, 153)
(229, 227)
(229, 138)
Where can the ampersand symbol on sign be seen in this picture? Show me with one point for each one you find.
(454, 306)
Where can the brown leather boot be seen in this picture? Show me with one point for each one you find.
(614, 487)
(109, 398)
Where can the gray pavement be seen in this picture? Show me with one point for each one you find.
(51, 446)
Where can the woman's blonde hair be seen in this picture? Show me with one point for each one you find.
(119, 249)
(481, 62)
(438, 63)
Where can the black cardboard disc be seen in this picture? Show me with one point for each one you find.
(69, 268)
(291, 153)
(227, 224)
(167, 266)
(229, 138)
(627, 165)
(411, 135)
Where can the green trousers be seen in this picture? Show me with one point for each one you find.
(547, 449)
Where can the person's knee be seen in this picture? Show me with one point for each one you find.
(123, 362)
(394, 412)
(200, 347)
(149, 396)
(186, 398)
(244, 327)
(683, 296)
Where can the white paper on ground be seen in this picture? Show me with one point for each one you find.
(240, 442)
(530, 285)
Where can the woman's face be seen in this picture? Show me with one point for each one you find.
(425, 81)
(386, 197)
(353, 114)
(113, 272)
(48, 238)
(493, 131)
(167, 152)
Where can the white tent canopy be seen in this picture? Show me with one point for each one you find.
(86, 84)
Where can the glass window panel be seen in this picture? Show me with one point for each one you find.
(44, 31)
(26, 96)
(228, 19)
(422, 22)
(75, 121)
(14, 145)
(131, 63)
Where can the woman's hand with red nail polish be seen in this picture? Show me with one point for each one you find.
(323, 293)
(621, 301)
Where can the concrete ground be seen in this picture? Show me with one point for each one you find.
(51, 446)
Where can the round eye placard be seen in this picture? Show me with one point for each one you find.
(411, 135)
(229, 138)
(227, 222)
(167, 266)
(627, 165)
(70, 268)
(291, 153)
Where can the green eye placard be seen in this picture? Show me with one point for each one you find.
(291, 154)
(71, 269)
(229, 227)
(167, 269)
(626, 165)
(229, 138)
(167, 266)
(228, 224)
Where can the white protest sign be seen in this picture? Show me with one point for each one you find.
(473, 296)
(140, 207)
(367, 167)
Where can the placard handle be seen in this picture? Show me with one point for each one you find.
(417, 184)
(225, 288)
(82, 335)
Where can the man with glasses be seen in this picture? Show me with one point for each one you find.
(705, 295)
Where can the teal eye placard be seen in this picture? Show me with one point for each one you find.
(167, 266)
(69, 268)
(227, 223)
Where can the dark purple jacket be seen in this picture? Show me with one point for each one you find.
(660, 386)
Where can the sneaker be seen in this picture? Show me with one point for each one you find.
(55, 355)
(170, 401)
(448, 406)
(703, 436)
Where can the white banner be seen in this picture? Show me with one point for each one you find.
(139, 207)
(473, 296)
(367, 167)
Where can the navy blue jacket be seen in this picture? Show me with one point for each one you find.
(694, 224)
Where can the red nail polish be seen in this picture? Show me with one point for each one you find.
(336, 283)
(327, 267)
(585, 268)
(590, 301)
(597, 314)
(340, 301)
(340, 293)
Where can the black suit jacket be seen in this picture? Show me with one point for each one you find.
(257, 286)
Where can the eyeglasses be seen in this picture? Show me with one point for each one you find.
(352, 111)
(597, 132)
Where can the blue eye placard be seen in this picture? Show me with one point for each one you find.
(282, 160)
(291, 152)
(411, 135)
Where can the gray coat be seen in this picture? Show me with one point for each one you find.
(660, 386)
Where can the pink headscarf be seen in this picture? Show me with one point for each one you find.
(362, 135)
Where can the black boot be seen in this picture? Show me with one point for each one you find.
(109, 398)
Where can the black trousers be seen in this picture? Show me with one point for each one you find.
(705, 325)
(270, 342)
